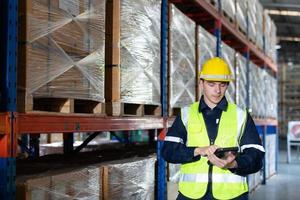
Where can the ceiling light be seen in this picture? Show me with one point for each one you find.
(291, 39)
(283, 12)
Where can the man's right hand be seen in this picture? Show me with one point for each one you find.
(205, 151)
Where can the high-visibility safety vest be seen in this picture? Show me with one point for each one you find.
(195, 176)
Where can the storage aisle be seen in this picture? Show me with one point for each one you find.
(286, 183)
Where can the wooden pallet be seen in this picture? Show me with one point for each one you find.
(230, 19)
(64, 105)
(131, 109)
(174, 112)
(212, 2)
(240, 29)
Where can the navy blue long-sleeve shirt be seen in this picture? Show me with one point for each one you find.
(249, 161)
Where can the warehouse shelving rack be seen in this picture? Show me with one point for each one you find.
(13, 123)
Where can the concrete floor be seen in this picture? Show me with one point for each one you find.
(285, 184)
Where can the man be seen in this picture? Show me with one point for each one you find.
(205, 126)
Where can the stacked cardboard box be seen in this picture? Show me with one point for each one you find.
(140, 51)
(121, 179)
(182, 59)
(62, 50)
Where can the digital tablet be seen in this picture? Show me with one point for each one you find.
(220, 152)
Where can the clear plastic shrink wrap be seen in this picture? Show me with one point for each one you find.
(63, 49)
(79, 184)
(228, 54)
(267, 33)
(241, 81)
(140, 51)
(257, 90)
(120, 179)
(252, 19)
(182, 59)
(273, 42)
(228, 6)
(271, 96)
(207, 47)
(241, 14)
(270, 37)
(259, 25)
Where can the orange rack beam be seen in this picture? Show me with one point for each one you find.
(61, 123)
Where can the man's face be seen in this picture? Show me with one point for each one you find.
(213, 91)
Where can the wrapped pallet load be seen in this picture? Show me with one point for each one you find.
(252, 20)
(207, 46)
(228, 54)
(257, 90)
(182, 59)
(241, 81)
(267, 32)
(140, 51)
(273, 42)
(62, 51)
(229, 9)
(241, 17)
(271, 96)
(259, 25)
(120, 179)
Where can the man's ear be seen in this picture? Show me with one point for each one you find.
(201, 81)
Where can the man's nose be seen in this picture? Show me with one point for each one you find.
(218, 88)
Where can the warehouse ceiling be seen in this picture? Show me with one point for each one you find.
(286, 15)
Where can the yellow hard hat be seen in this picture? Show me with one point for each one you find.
(216, 69)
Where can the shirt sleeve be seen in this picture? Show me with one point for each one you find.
(252, 152)
(174, 148)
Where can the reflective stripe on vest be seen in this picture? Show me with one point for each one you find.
(225, 185)
(174, 139)
(217, 178)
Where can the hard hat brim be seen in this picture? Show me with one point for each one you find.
(218, 80)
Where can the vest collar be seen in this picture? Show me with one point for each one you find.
(222, 105)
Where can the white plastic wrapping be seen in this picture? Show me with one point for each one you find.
(64, 49)
(241, 81)
(241, 14)
(267, 33)
(228, 6)
(259, 25)
(130, 179)
(271, 96)
(252, 12)
(207, 46)
(257, 90)
(182, 59)
(270, 37)
(273, 42)
(228, 54)
(140, 51)
(79, 184)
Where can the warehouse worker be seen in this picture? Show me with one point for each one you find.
(205, 126)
